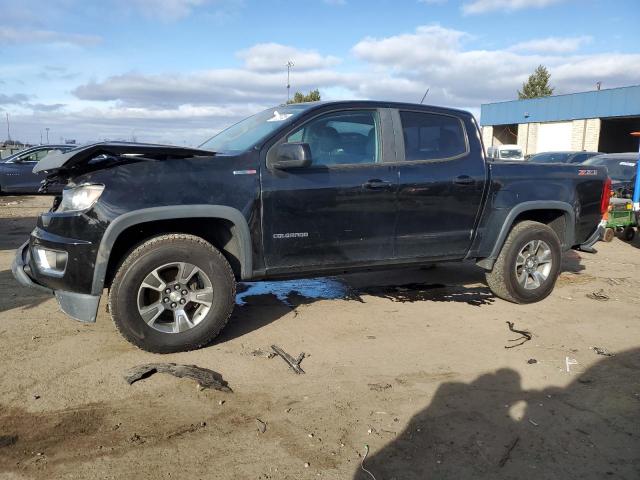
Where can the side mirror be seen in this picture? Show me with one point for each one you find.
(290, 155)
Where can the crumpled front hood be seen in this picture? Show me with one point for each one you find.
(57, 160)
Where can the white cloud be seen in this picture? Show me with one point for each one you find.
(13, 99)
(484, 6)
(435, 57)
(552, 44)
(11, 35)
(221, 86)
(430, 42)
(190, 105)
(272, 57)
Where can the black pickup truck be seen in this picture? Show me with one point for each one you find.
(293, 191)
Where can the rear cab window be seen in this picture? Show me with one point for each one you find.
(432, 136)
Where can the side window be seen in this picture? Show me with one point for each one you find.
(430, 136)
(28, 157)
(341, 138)
(41, 154)
(34, 157)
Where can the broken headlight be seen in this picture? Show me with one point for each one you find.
(80, 198)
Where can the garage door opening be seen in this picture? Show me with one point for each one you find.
(615, 135)
(505, 134)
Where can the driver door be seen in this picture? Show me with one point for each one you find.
(339, 211)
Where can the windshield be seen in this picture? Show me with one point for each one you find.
(550, 157)
(620, 169)
(514, 153)
(250, 131)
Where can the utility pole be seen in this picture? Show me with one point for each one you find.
(289, 65)
(47, 129)
(40, 136)
(8, 129)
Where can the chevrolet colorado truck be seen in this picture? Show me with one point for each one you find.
(296, 191)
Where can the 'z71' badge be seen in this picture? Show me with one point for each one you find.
(291, 235)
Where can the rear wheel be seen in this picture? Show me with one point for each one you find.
(528, 265)
(173, 293)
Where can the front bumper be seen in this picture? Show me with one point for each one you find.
(79, 306)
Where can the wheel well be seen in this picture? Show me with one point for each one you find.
(555, 219)
(217, 231)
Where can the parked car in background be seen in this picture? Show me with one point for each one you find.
(562, 157)
(622, 171)
(16, 171)
(505, 152)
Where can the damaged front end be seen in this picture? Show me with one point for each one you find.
(61, 254)
(59, 167)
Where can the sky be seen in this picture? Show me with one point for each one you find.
(178, 71)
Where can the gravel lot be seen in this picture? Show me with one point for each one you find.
(411, 363)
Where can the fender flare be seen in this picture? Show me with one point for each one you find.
(120, 224)
(569, 234)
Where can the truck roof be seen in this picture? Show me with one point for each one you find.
(380, 104)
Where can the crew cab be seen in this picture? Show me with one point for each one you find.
(295, 191)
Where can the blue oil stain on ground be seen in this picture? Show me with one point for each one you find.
(316, 288)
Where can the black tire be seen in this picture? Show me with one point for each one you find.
(152, 254)
(502, 279)
(628, 233)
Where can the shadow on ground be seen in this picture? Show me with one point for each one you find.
(17, 296)
(15, 231)
(260, 303)
(589, 430)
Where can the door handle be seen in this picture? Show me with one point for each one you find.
(463, 180)
(376, 184)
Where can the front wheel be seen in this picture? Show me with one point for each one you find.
(528, 265)
(173, 293)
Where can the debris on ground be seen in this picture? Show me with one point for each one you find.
(262, 426)
(599, 295)
(203, 376)
(194, 427)
(617, 281)
(258, 352)
(379, 387)
(531, 361)
(8, 440)
(603, 351)
(568, 362)
(525, 336)
(533, 423)
(366, 454)
(135, 438)
(294, 363)
(507, 455)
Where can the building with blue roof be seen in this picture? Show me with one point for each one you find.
(599, 120)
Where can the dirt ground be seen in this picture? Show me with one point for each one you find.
(413, 364)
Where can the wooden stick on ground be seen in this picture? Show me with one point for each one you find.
(294, 363)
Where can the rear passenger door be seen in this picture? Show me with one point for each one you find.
(441, 184)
